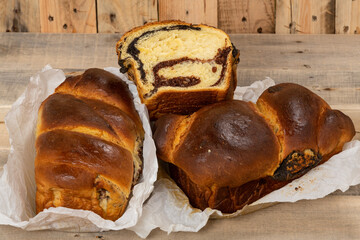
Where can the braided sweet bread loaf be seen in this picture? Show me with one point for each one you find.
(231, 153)
(88, 145)
(178, 67)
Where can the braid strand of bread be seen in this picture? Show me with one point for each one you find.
(88, 145)
(230, 154)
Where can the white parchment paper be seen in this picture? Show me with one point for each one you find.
(169, 209)
(17, 180)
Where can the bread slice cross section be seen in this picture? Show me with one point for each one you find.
(179, 67)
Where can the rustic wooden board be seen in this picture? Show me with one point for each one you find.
(315, 16)
(355, 17)
(123, 15)
(3, 3)
(284, 24)
(3, 22)
(244, 16)
(305, 16)
(327, 64)
(66, 16)
(323, 63)
(19, 16)
(347, 17)
(333, 217)
(201, 11)
(343, 17)
(234, 16)
(65, 51)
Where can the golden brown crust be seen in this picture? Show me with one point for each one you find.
(232, 153)
(164, 128)
(336, 129)
(183, 103)
(298, 111)
(228, 131)
(87, 150)
(159, 23)
(100, 118)
(226, 199)
(103, 86)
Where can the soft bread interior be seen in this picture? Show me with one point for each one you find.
(207, 72)
(192, 52)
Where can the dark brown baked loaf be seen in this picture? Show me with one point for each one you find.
(230, 154)
(88, 145)
(178, 67)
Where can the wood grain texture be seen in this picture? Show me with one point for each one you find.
(19, 16)
(200, 11)
(71, 52)
(122, 15)
(3, 3)
(332, 217)
(66, 16)
(322, 63)
(284, 24)
(327, 64)
(233, 16)
(246, 16)
(314, 16)
(347, 19)
(343, 17)
(305, 16)
(355, 17)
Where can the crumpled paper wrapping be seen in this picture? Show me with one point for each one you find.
(17, 180)
(169, 208)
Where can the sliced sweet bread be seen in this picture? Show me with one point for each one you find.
(179, 67)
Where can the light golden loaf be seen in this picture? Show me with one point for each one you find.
(88, 145)
(178, 67)
(229, 154)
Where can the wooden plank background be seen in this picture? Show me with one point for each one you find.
(233, 16)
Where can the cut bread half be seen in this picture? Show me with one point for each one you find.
(178, 67)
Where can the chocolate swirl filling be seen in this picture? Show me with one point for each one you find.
(174, 82)
(181, 81)
(297, 164)
(161, 81)
(134, 52)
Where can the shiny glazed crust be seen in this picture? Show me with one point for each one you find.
(173, 99)
(230, 154)
(88, 145)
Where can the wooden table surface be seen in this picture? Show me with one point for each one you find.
(329, 65)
